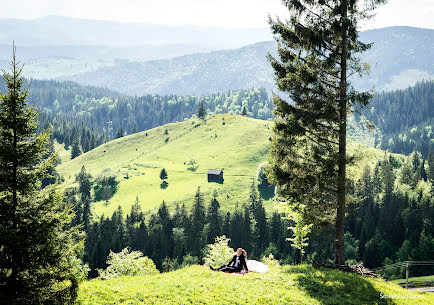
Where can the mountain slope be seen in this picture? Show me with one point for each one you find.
(234, 143)
(281, 285)
(400, 57)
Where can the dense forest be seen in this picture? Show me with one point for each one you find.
(106, 112)
(390, 221)
(404, 118)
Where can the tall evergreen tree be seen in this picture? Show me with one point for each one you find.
(244, 111)
(134, 129)
(37, 252)
(214, 220)
(318, 49)
(201, 112)
(75, 150)
(431, 170)
(84, 183)
(196, 238)
(120, 133)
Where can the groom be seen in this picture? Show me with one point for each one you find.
(238, 263)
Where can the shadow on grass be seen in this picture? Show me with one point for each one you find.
(164, 185)
(336, 287)
(216, 181)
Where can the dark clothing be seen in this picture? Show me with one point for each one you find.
(232, 268)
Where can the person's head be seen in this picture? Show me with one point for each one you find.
(239, 251)
(245, 253)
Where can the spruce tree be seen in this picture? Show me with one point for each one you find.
(214, 220)
(75, 150)
(163, 174)
(38, 248)
(244, 111)
(201, 112)
(134, 129)
(318, 49)
(120, 133)
(431, 170)
(196, 240)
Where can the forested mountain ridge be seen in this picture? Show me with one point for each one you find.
(399, 57)
(405, 118)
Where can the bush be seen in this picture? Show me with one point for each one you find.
(189, 260)
(127, 263)
(105, 187)
(270, 261)
(219, 253)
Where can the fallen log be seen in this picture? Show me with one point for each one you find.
(357, 269)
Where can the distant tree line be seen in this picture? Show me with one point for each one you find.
(405, 118)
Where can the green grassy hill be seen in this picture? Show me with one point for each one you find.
(281, 285)
(234, 143)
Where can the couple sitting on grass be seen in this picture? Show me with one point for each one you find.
(240, 264)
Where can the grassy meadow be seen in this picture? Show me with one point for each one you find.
(429, 278)
(281, 285)
(234, 143)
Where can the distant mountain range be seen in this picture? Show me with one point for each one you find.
(400, 57)
(140, 58)
(58, 31)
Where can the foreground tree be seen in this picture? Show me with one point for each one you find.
(38, 250)
(318, 49)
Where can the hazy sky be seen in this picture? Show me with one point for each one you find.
(227, 13)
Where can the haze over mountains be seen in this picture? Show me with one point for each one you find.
(399, 58)
(140, 58)
(67, 31)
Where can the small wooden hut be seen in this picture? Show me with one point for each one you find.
(215, 175)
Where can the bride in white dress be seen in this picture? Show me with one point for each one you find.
(255, 266)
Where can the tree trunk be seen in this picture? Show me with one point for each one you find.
(341, 204)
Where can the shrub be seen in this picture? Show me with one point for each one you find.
(219, 253)
(105, 187)
(189, 260)
(270, 261)
(127, 263)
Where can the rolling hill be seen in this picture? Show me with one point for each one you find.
(400, 57)
(281, 285)
(234, 143)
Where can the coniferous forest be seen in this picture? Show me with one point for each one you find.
(178, 148)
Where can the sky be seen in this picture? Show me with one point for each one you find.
(220, 13)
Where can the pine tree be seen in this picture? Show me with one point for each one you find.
(214, 220)
(38, 251)
(134, 129)
(163, 174)
(201, 112)
(318, 49)
(244, 111)
(196, 240)
(75, 150)
(84, 183)
(120, 133)
(431, 170)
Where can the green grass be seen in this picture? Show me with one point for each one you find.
(234, 143)
(281, 285)
(429, 278)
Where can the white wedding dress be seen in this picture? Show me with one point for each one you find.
(256, 266)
